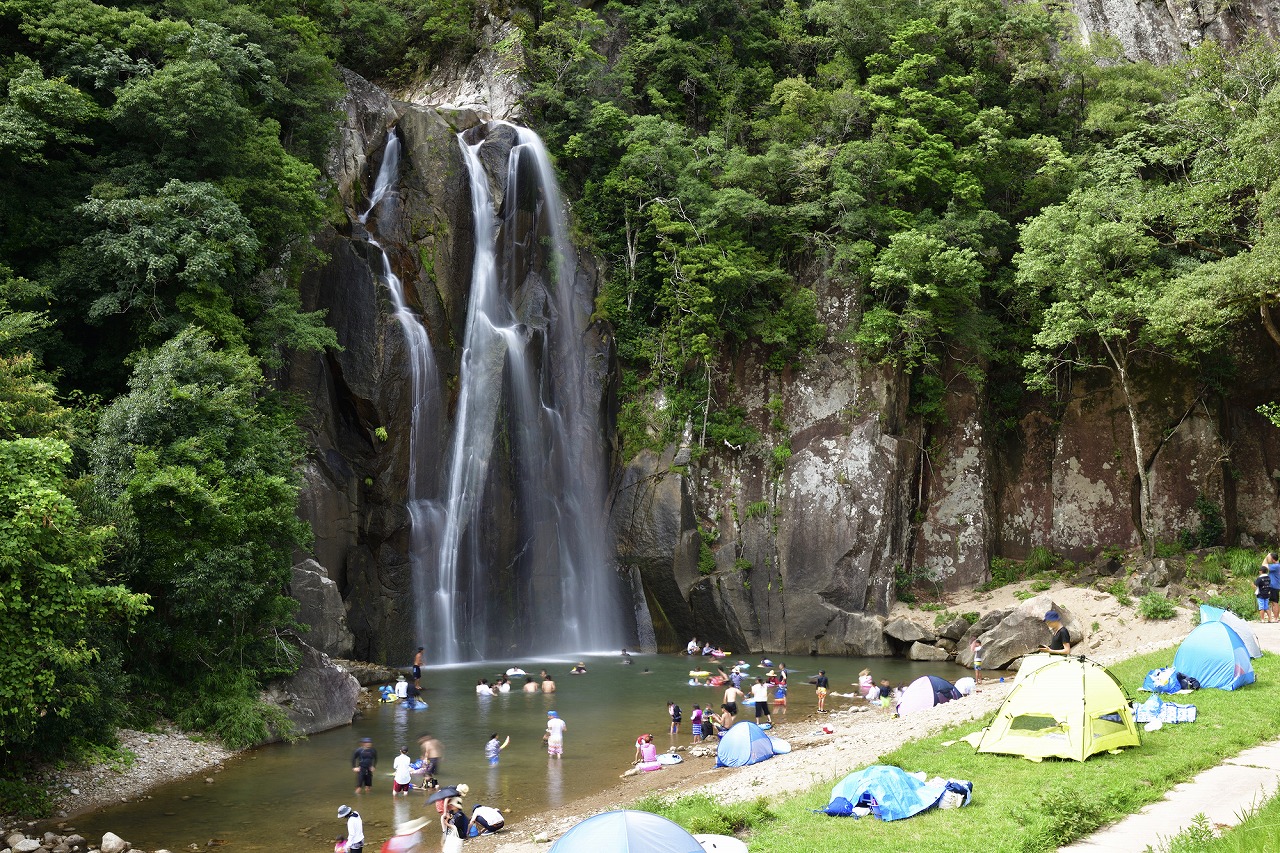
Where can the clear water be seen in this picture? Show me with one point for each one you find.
(284, 798)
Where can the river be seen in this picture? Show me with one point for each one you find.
(284, 797)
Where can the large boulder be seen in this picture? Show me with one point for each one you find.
(112, 843)
(1020, 632)
(856, 634)
(955, 629)
(964, 654)
(320, 696)
(320, 607)
(905, 631)
(923, 651)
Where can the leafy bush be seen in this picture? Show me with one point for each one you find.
(757, 508)
(1156, 606)
(971, 617)
(1070, 814)
(1040, 586)
(1243, 562)
(1121, 592)
(19, 797)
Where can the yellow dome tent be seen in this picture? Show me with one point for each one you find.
(1069, 707)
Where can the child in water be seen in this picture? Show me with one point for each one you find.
(493, 748)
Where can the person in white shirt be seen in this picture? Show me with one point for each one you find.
(402, 688)
(483, 688)
(403, 780)
(486, 819)
(355, 829)
(760, 695)
(555, 735)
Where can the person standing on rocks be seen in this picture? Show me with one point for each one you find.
(417, 668)
(363, 762)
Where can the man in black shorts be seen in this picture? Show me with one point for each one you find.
(363, 760)
(417, 669)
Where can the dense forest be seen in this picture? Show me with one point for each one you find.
(994, 198)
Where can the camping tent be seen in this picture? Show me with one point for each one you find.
(895, 792)
(925, 692)
(1070, 708)
(745, 743)
(1209, 613)
(635, 832)
(1215, 656)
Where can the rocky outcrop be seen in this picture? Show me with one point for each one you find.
(321, 609)
(1162, 32)
(318, 697)
(488, 83)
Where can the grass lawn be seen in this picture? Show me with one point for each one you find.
(1018, 805)
(1259, 832)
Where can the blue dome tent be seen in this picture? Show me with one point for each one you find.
(745, 743)
(1214, 655)
(627, 832)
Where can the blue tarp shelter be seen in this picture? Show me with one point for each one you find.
(1214, 655)
(745, 743)
(891, 792)
(630, 831)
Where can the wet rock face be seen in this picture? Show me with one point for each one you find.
(320, 608)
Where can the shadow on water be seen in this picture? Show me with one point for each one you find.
(284, 797)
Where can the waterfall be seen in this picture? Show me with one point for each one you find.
(521, 562)
(424, 396)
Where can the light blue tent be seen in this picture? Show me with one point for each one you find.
(1215, 656)
(1208, 613)
(891, 792)
(629, 831)
(745, 743)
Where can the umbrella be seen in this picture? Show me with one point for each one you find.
(444, 794)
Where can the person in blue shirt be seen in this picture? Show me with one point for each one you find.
(1273, 572)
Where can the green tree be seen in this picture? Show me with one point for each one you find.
(199, 462)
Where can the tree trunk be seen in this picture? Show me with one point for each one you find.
(1120, 361)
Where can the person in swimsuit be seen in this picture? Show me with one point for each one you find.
(431, 754)
(417, 669)
(732, 696)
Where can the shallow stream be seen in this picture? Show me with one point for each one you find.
(284, 798)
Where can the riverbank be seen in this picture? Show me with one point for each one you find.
(1114, 632)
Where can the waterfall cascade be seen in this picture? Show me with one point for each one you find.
(509, 538)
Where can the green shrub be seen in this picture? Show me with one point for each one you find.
(742, 565)
(1040, 559)
(971, 617)
(1040, 586)
(1121, 592)
(1243, 562)
(757, 508)
(18, 797)
(706, 558)
(1156, 606)
(1070, 813)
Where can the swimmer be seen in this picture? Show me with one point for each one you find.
(548, 685)
(626, 657)
(530, 686)
(580, 669)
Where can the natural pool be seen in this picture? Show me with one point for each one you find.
(284, 797)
